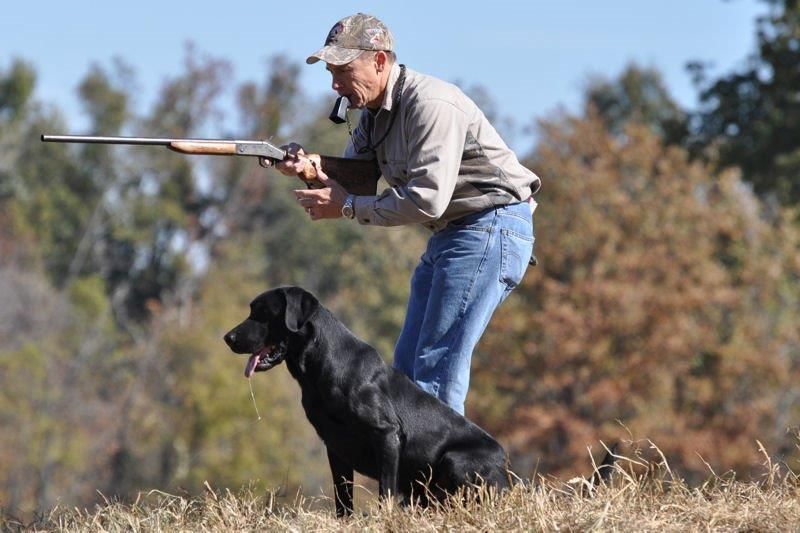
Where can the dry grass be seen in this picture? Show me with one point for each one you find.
(640, 496)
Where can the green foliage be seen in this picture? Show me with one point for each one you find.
(190, 102)
(88, 297)
(16, 88)
(51, 354)
(751, 118)
(269, 109)
(105, 98)
(638, 96)
(53, 193)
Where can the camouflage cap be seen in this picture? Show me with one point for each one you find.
(351, 36)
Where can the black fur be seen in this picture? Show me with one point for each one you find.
(372, 418)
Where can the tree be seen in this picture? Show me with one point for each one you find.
(639, 96)
(661, 304)
(16, 88)
(751, 118)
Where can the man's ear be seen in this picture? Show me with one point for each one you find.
(300, 306)
(381, 61)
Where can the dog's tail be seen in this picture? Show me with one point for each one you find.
(602, 472)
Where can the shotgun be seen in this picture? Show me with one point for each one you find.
(358, 176)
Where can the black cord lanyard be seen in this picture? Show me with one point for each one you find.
(398, 89)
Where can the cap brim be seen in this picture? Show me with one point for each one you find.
(334, 55)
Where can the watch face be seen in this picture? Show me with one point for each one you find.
(347, 209)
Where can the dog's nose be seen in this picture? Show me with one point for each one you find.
(230, 338)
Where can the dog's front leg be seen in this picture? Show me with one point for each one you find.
(342, 473)
(388, 444)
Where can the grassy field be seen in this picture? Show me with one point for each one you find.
(638, 497)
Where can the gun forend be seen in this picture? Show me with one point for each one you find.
(208, 148)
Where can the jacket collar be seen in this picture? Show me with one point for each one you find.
(394, 74)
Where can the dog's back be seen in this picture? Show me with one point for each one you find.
(438, 435)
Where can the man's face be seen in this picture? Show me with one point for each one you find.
(360, 81)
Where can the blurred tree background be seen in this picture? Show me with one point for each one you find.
(664, 307)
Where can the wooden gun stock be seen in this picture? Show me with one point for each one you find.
(357, 176)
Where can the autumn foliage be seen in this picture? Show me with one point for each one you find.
(664, 306)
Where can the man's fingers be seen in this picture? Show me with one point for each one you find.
(288, 167)
(329, 182)
(291, 165)
(309, 196)
(307, 202)
(321, 176)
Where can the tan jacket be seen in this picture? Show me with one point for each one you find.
(442, 157)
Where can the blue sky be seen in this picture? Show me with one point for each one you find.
(532, 56)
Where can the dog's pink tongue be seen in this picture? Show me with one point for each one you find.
(251, 365)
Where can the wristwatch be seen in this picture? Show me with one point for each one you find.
(347, 209)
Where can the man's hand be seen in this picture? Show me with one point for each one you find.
(322, 203)
(294, 163)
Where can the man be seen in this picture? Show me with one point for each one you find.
(448, 170)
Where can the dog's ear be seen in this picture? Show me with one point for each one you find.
(300, 305)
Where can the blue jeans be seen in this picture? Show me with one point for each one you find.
(467, 270)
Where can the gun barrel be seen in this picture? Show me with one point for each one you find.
(106, 140)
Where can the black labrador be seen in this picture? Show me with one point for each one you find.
(372, 418)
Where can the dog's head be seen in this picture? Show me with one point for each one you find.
(274, 316)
